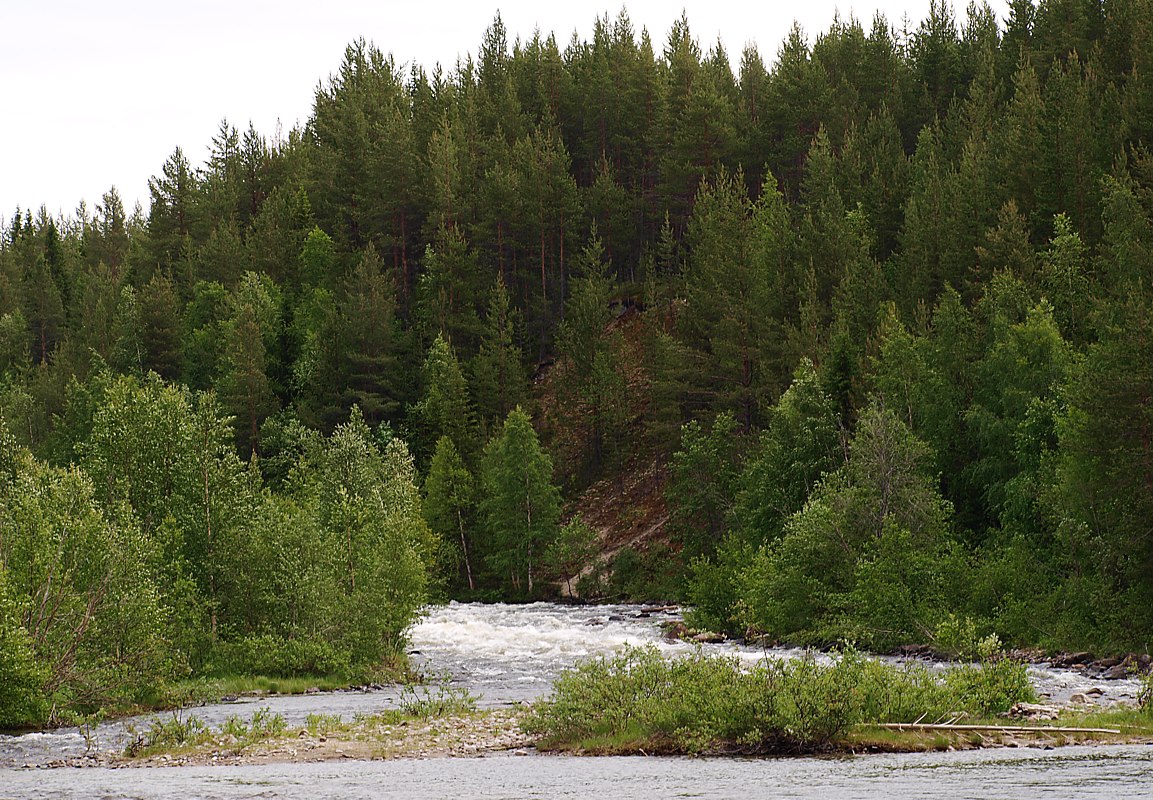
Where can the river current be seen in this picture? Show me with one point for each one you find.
(510, 654)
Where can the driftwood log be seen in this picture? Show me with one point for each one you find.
(924, 726)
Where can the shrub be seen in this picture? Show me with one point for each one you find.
(1145, 693)
(640, 700)
(992, 687)
(22, 677)
(279, 657)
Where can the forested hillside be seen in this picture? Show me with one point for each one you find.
(880, 300)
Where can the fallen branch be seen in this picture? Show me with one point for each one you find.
(924, 726)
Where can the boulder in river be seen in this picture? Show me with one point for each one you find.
(709, 637)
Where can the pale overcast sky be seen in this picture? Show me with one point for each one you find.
(97, 94)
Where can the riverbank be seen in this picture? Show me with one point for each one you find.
(480, 733)
(383, 736)
(509, 657)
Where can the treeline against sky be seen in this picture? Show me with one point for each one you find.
(882, 299)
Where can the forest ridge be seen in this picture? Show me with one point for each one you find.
(882, 304)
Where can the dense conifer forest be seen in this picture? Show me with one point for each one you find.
(880, 303)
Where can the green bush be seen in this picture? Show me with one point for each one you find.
(648, 575)
(22, 677)
(1145, 693)
(276, 656)
(992, 687)
(639, 700)
(713, 588)
(175, 733)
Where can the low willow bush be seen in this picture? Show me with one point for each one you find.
(640, 700)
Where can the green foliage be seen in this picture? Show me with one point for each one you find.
(497, 374)
(262, 725)
(520, 504)
(870, 556)
(317, 258)
(83, 587)
(166, 734)
(701, 487)
(450, 502)
(178, 733)
(737, 255)
(958, 637)
(443, 701)
(1106, 466)
(641, 701)
(13, 342)
(444, 408)
(1145, 693)
(449, 290)
(322, 724)
(798, 446)
(574, 548)
(990, 688)
(714, 587)
(22, 677)
(368, 512)
(278, 657)
(652, 574)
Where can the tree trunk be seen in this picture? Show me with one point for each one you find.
(464, 548)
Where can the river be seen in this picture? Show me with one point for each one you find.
(510, 654)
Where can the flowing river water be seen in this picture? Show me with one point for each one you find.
(510, 654)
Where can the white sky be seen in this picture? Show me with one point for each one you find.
(98, 94)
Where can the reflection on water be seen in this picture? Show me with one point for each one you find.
(1105, 773)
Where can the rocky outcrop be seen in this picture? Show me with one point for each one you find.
(1113, 668)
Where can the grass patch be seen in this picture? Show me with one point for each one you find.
(640, 701)
(168, 735)
(230, 685)
(1132, 725)
(442, 701)
(419, 722)
(1137, 722)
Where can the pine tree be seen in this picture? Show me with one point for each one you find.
(449, 290)
(735, 262)
(160, 322)
(370, 345)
